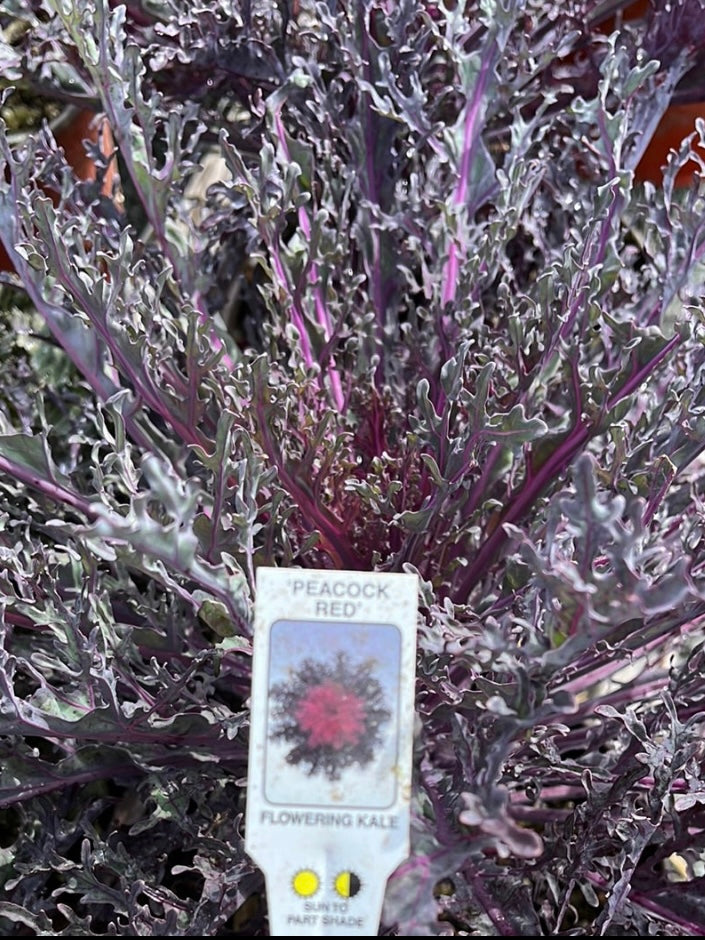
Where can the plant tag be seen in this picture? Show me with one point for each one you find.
(330, 758)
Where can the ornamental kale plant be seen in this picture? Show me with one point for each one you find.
(332, 713)
(427, 316)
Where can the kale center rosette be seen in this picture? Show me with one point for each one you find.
(331, 712)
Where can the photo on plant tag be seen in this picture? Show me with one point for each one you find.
(332, 728)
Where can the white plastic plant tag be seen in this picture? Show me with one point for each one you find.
(329, 776)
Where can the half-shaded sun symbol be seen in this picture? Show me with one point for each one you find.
(347, 884)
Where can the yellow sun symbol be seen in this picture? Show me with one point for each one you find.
(305, 883)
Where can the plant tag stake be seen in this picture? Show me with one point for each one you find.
(330, 749)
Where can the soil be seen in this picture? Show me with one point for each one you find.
(24, 111)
